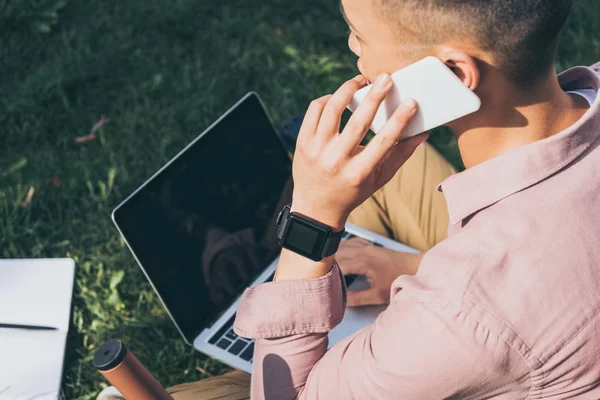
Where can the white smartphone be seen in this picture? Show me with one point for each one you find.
(441, 95)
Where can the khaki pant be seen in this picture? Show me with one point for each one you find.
(408, 209)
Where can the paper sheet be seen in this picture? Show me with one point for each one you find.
(31, 364)
(34, 292)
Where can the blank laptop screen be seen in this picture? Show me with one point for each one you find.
(204, 226)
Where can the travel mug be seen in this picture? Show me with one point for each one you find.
(125, 372)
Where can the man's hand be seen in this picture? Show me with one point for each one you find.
(379, 265)
(332, 172)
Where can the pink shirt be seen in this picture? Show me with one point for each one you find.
(505, 308)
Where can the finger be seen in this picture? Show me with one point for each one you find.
(350, 249)
(368, 297)
(312, 118)
(399, 155)
(363, 117)
(350, 266)
(354, 242)
(329, 126)
(387, 138)
(343, 255)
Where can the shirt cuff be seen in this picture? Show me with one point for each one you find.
(292, 307)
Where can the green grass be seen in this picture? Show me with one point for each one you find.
(161, 71)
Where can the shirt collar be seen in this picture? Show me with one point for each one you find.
(495, 179)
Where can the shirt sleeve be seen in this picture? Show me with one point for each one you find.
(414, 350)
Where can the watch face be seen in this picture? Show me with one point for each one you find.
(305, 239)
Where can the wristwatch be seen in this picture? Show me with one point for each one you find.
(305, 236)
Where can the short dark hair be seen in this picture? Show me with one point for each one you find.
(521, 34)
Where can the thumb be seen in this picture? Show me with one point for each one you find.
(368, 297)
(350, 247)
(349, 266)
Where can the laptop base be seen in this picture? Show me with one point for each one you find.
(224, 345)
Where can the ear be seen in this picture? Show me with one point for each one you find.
(463, 65)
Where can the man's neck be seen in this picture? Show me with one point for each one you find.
(510, 118)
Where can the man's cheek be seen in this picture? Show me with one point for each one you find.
(365, 70)
(360, 66)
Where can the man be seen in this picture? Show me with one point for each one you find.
(507, 305)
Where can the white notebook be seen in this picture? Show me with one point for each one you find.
(34, 293)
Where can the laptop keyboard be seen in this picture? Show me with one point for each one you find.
(228, 340)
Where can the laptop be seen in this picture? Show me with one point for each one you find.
(203, 229)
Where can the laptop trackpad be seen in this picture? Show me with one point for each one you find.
(355, 318)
